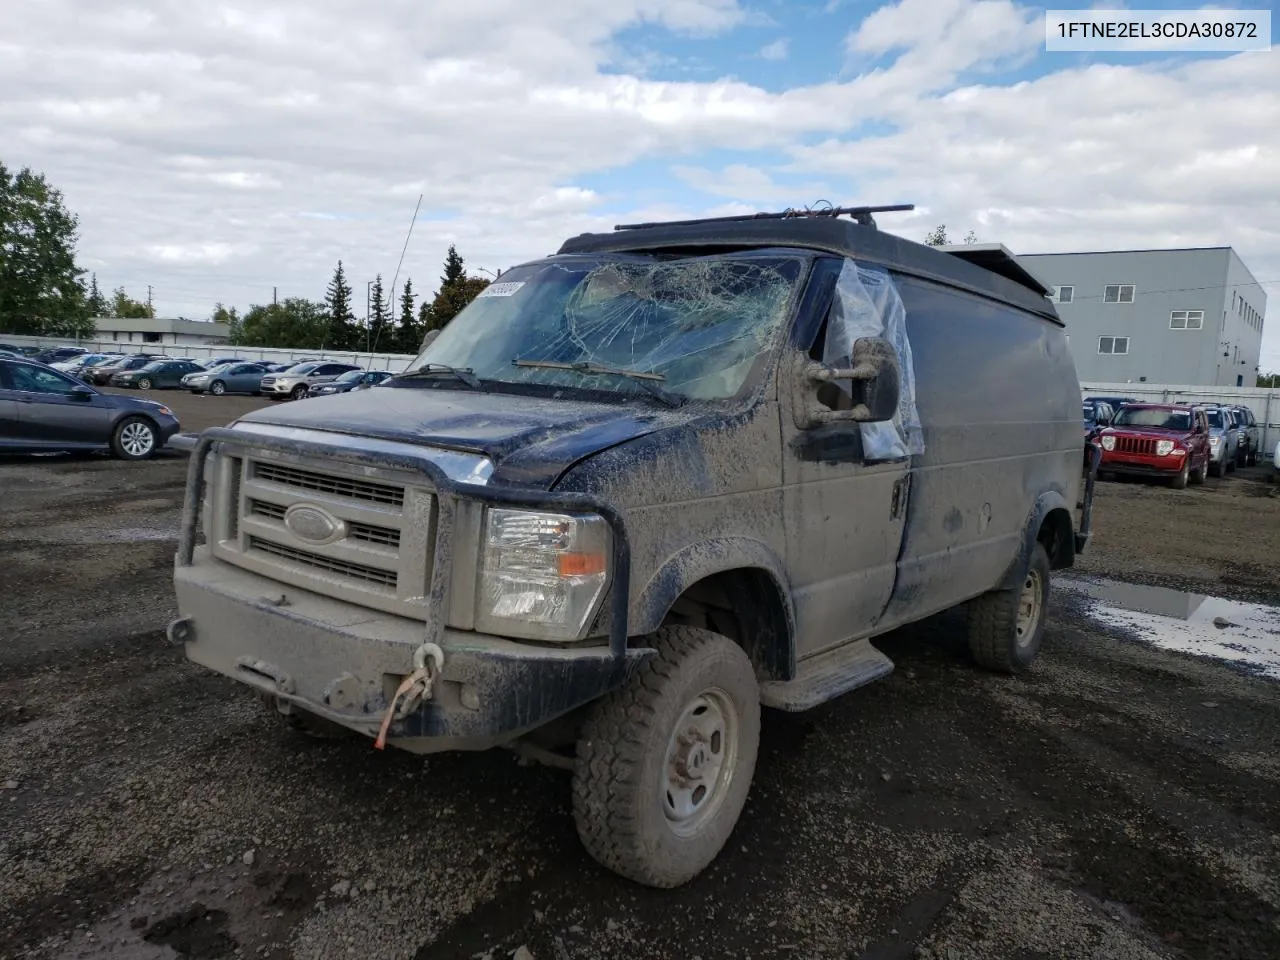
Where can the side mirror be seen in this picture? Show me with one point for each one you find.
(81, 393)
(876, 384)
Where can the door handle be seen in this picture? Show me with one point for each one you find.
(898, 504)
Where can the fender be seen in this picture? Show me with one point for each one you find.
(704, 559)
(1045, 504)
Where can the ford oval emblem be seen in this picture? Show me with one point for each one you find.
(308, 522)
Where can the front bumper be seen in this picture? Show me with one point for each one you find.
(1140, 464)
(344, 661)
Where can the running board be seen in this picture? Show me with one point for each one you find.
(826, 676)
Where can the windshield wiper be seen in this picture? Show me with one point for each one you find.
(645, 380)
(465, 374)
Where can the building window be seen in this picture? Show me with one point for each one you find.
(1113, 345)
(1186, 319)
(1118, 293)
(151, 338)
(1064, 294)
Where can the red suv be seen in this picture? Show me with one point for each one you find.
(1157, 440)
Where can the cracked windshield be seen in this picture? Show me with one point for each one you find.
(693, 327)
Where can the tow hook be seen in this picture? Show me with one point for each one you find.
(181, 631)
(415, 689)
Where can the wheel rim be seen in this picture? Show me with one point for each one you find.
(1029, 603)
(137, 439)
(144, 384)
(218, 388)
(700, 760)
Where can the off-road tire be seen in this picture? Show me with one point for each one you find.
(217, 388)
(299, 392)
(120, 446)
(1201, 473)
(1179, 482)
(621, 762)
(992, 633)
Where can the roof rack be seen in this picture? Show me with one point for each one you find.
(861, 214)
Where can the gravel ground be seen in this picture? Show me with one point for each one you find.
(1117, 802)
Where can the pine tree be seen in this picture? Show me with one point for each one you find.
(454, 269)
(342, 333)
(408, 335)
(379, 316)
(96, 303)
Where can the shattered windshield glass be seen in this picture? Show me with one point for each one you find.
(694, 326)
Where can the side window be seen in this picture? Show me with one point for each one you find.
(32, 380)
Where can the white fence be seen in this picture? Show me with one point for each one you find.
(1263, 401)
(370, 361)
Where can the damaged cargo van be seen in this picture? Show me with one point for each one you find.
(639, 489)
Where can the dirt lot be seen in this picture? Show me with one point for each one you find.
(1118, 802)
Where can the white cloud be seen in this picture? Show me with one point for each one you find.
(777, 50)
(217, 150)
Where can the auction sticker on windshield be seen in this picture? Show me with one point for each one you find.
(501, 289)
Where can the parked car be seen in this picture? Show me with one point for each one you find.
(78, 362)
(351, 380)
(227, 378)
(1114, 402)
(1250, 444)
(212, 362)
(56, 354)
(10, 355)
(296, 382)
(617, 546)
(101, 374)
(1097, 414)
(45, 409)
(1224, 438)
(156, 375)
(1157, 440)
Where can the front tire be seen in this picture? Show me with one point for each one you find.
(134, 438)
(217, 388)
(299, 392)
(144, 383)
(665, 763)
(1201, 473)
(1006, 627)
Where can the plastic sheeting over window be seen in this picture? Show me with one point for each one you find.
(867, 304)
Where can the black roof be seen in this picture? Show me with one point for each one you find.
(987, 273)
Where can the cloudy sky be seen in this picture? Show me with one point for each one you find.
(216, 150)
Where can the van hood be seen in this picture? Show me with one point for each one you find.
(530, 440)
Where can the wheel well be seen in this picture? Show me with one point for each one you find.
(1057, 537)
(747, 606)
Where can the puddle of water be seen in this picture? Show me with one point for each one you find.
(1247, 633)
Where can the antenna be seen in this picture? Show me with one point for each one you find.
(860, 214)
(396, 276)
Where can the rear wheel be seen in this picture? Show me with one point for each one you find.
(1006, 627)
(217, 388)
(665, 763)
(134, 439)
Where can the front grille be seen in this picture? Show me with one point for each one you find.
(383, 560)
(366, 532)
(351, 487)
(1138, 445)
(343, 568)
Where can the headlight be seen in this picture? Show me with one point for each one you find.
(165, 410)
(1214, 441)
(1164, 448)
(542, 575)
(1108, 442)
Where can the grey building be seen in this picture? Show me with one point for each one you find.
(1180, 316)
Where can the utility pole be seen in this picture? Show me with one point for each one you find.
(151, 312)
(274, 301)
(368, 300)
